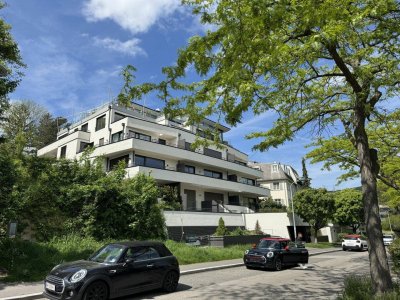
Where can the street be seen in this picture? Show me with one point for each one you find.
(323, 279)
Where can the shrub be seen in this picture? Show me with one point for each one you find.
(394, 250)
(239, 231)
(257, 228)
(360, 287)
(221, 229)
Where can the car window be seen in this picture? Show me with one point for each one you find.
(142, 253)
(108, 254)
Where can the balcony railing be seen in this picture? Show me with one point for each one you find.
(174, 169)
(169, 144)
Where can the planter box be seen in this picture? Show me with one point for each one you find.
(223, 241)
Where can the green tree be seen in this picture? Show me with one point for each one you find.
(306, 179)
(349, 209)
(221, 229)
(146, 218)
(326, 64)
(10, 64)
(47, 130)
(314, 206)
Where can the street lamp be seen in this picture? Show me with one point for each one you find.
(299, 181)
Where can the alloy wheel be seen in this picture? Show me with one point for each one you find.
(96, 291)
(170, 281)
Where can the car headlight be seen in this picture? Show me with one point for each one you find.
(246, 251)
(270, 254)
(78, 276)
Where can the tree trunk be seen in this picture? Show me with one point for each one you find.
(379, 268)
(315, 236)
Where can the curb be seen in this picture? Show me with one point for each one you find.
(187, 272)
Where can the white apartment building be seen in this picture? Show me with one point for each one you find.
(282, 180)
(209, 180)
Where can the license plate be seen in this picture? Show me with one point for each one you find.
(50, 286)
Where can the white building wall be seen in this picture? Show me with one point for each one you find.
(187, 218)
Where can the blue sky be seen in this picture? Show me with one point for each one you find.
(76, 49)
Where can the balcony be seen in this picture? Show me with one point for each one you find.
(172, 151)
(172, 175)
(51, 150)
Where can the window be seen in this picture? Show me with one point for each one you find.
(275, 186)
(63, 151)
(233, 200)
(240, 163)
(117, 137)
(248, 181)
(142, 253)
(84, 127)
(118, 117)
(274, 168)
(101, 122)
(232, 177)
(140, 136)
(213, 174)
(162, 142)
(190, 169)
(101, 142)
(212, 153)
(84, 145)
(115, 161)
(278, 201)
(149, 162)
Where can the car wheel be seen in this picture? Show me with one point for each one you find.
(344, 248)
(96, 291)
(170, 282)
(248, 267)
(278, 264)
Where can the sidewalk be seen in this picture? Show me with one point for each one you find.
(33, 290)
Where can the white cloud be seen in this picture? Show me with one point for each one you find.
(134, 15)
(130, 47)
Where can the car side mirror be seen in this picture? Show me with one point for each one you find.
(128, 261)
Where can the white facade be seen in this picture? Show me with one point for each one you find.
(208, 179)
(282, 180)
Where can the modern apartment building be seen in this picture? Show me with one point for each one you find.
(208, 179)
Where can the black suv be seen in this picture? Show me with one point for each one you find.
(116, 270)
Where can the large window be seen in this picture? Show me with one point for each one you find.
(63, 151)
(149, 162)
(85, 145)
(140, 136)
(101, 122)
(188, 146)
(115, 161)
(84, 127)
(248, 181)
(275, 186)
(117, 137)
(213, 174)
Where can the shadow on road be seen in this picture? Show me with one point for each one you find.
(152, 295)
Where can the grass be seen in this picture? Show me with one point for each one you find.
(320, 245)
(29, 261)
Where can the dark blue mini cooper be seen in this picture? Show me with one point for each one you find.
(115, 270)
(274, 253)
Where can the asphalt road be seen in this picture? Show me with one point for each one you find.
(322, 279)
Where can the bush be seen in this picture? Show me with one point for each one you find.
(360, 288)
(221, 229)
(394, 250)
(239, 231)
(269, 205)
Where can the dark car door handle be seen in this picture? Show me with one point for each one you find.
(150, 265)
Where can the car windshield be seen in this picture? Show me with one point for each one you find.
(108, 254)
(387, 237)
(265, 244)
(352, 238)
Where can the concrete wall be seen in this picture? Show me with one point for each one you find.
(187, 218)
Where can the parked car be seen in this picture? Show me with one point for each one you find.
(115, 270)
(354, 242)
(275, 253)
(388, 239)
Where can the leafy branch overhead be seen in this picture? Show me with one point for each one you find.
(320, 65)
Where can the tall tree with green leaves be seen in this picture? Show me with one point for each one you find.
(321, 65)
(10, 64)
(306, 180)
(349, 209)
(314, 206)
